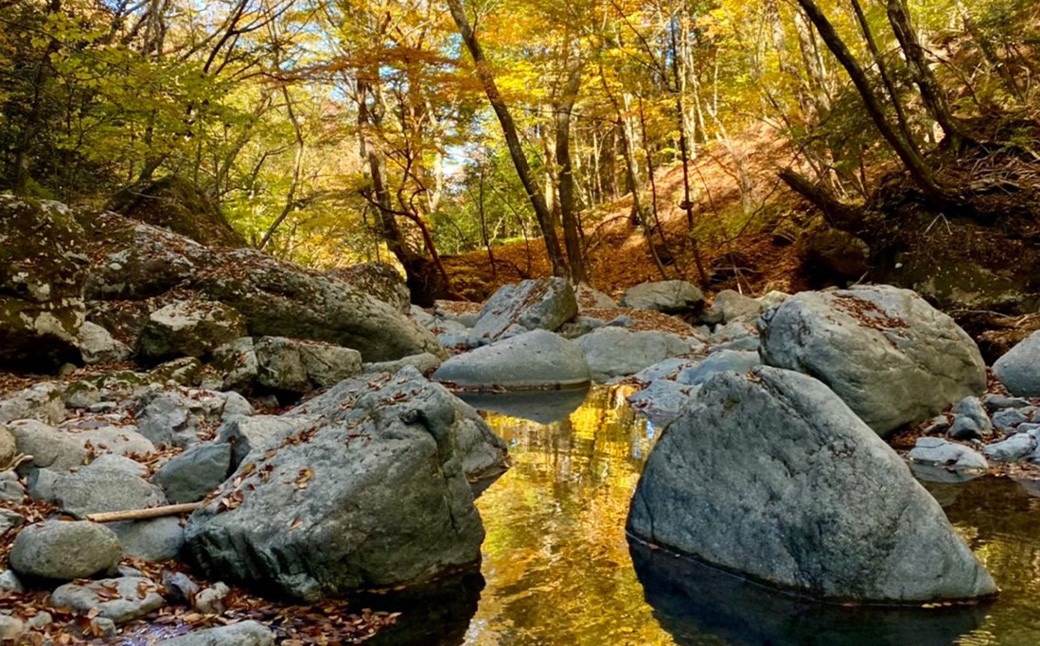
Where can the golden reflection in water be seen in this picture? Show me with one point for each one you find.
(556, 560)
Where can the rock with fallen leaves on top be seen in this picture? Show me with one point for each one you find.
(892, 357)
(120, 599)
(245, 633)
(536, 304)
(372, 495)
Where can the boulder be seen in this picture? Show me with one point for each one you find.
(536, 304)
(589, 298)
(537, 359)
(375, 496)
(246, 633)
(279, 298)
(153, 541)
(734, 306)
(42, 272)
(63, 550)
(121, 599)
(1019, 368)
(188, 328)
(43, 401)
(892, 357)
(663, 401)
(96, 345)
(49, 447)
(175, 203)
(771, 475)
(259, 433)
(113, 462)
(291, 365)
(192, 475)
(616, 352)
(167, 420)
(668, 296)
(378, 279)
(94, 491)
(1017, 447)
(118, 440)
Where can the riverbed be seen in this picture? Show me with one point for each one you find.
(558, 569)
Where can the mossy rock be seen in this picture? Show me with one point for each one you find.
(176, 204)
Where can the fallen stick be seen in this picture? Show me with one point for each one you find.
(144, 514)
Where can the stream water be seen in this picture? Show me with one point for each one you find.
(559, 571)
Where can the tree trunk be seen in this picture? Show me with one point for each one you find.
(931, 93)
(915, 165)
(516, 151)
(568, 207)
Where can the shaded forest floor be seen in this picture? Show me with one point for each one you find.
(746, 244)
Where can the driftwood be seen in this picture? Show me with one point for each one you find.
(144, 514)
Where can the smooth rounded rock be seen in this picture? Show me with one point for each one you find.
(1019, 368)
(63, 550)
(534, 359)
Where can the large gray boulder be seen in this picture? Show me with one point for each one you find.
(537, 304)
(668, 296)
(246, 633)
(279, 298)
(770, 474)
(192, 475)
(373, 496)
(61, 550)
(49, 447)
(616, 352)
(42, 272)
(535, 359)
(378, 279)
(1019, 368)
(892, 357)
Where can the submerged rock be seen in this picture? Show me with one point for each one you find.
(770, 474)
(892, 357)
(373, 495)
(534, 359)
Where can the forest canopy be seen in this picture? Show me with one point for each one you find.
(335, 131)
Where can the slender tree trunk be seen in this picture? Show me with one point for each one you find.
(931, 93)
(913, 162)
(886, 76)
(516, 151)
(568, 207)
(294, 185)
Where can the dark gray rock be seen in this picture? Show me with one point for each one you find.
(1017, 447)
(259, 433)
(964, 428)
(770, 474)
(374, 496)
(192, 475)
(892, 357)
(537, 304)
(994, 402)
(154, 541)
(121, 599)
(668, 296)
(1009, 418)
(972, 408)
(191, 328)
(246, 633)
(937, 452)
(531, 360)
(166, 419)
(98, 491)
(63, 551)
(1019, 368)
(616, 352)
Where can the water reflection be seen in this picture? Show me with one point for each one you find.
(701, 605)
(434, 615)
(559, 571)
(544, 407)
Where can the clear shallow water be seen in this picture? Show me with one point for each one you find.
(559, 571)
